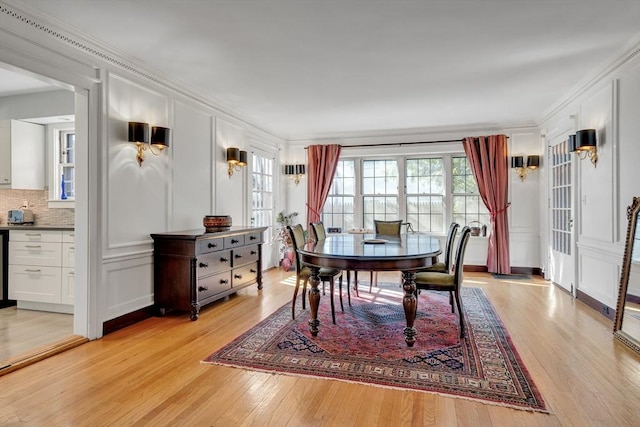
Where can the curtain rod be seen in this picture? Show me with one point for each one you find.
(396, 144)
(399, 144)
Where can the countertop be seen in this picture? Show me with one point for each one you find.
(37, 227)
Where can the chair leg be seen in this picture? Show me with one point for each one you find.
(333, 307)
(295, 295)
(349, 292)
(451, 301)
(304, 294)
(355, 282)
(458, 303)
(340, 292)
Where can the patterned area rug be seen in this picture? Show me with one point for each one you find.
(367, 346)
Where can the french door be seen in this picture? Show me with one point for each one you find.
(561, 211)
(263, 202)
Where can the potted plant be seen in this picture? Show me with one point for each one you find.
(286, 250)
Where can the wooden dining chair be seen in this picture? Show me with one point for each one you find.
(319, 233)
(303, 273)
(385, 228)
(445, 267)
(448, 282)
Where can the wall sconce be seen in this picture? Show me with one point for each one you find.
(584, 144)
(295, 172)
(236, 159)
(517, 163)
(139, 134)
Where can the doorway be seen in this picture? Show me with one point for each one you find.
(40, 101)
(561, 212)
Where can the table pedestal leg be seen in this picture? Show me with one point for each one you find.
(410, 306)
(314, 300)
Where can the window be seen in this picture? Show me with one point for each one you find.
(61, 155)
(380, 191)
(262, 195)
(339, 208)
(467, 203)
(66, 165)
(425, 194)
(428, 192)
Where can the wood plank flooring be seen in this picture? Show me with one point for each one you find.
(150, 373)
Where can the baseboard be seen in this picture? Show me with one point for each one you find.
(601, 308)
(534, 271)
(127, 320)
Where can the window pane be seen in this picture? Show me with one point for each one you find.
(425, 194)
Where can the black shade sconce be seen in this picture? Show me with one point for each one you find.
(236, 159)
(584, 144)
(517, 163)
(295, 172)
(139, 135)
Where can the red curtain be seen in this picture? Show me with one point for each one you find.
(322, 161)
(489, 162)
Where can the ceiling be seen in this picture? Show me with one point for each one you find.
(305, 68)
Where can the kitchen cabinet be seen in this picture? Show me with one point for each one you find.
(41, 267)
(22, 155)
(192, 268)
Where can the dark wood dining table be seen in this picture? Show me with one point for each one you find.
(369, 252)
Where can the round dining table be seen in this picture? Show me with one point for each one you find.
(407, 253)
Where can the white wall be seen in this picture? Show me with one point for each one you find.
(609, 103)
(121, 203)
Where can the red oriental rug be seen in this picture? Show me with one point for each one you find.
(367, 346)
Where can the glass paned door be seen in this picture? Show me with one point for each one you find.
(262, 202)
(561, 259)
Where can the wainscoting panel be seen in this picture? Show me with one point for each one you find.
(599, 274)
(122, 277)
(230, 195)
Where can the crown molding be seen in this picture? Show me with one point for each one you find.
(62, 32)
(630, 51)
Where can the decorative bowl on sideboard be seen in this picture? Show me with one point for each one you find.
(214, 223)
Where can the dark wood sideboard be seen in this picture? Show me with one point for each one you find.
(193, 268)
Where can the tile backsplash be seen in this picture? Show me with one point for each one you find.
(13, 199)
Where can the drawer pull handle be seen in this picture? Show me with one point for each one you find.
(224, 259)
(238, 276)
(72, 235)
(32, 270)
(224, 281)
(204, 264)
(253, 270)
(72, 248)
(34, 234)
(212, 245)
(72, 273)
(238, 255)
(203, 288)
(252, 237)
(254, 252)
(33, 246)
(234, 241)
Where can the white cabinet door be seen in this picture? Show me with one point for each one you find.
(5, 152)
(68, 286)
(38, 284)
(25, 165)
(68, 255)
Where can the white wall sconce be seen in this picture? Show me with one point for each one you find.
(139, 134)
(517, 163)
(584, 144)
(236, 158)
(295, 172)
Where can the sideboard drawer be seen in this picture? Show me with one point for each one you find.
(245, 274)
(252, 238)
(212, 285)
(213, 263)
(233, 241)
(210, 245)
(245, 255)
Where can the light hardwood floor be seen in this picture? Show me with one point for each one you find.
(23, 331)
(150, 373)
